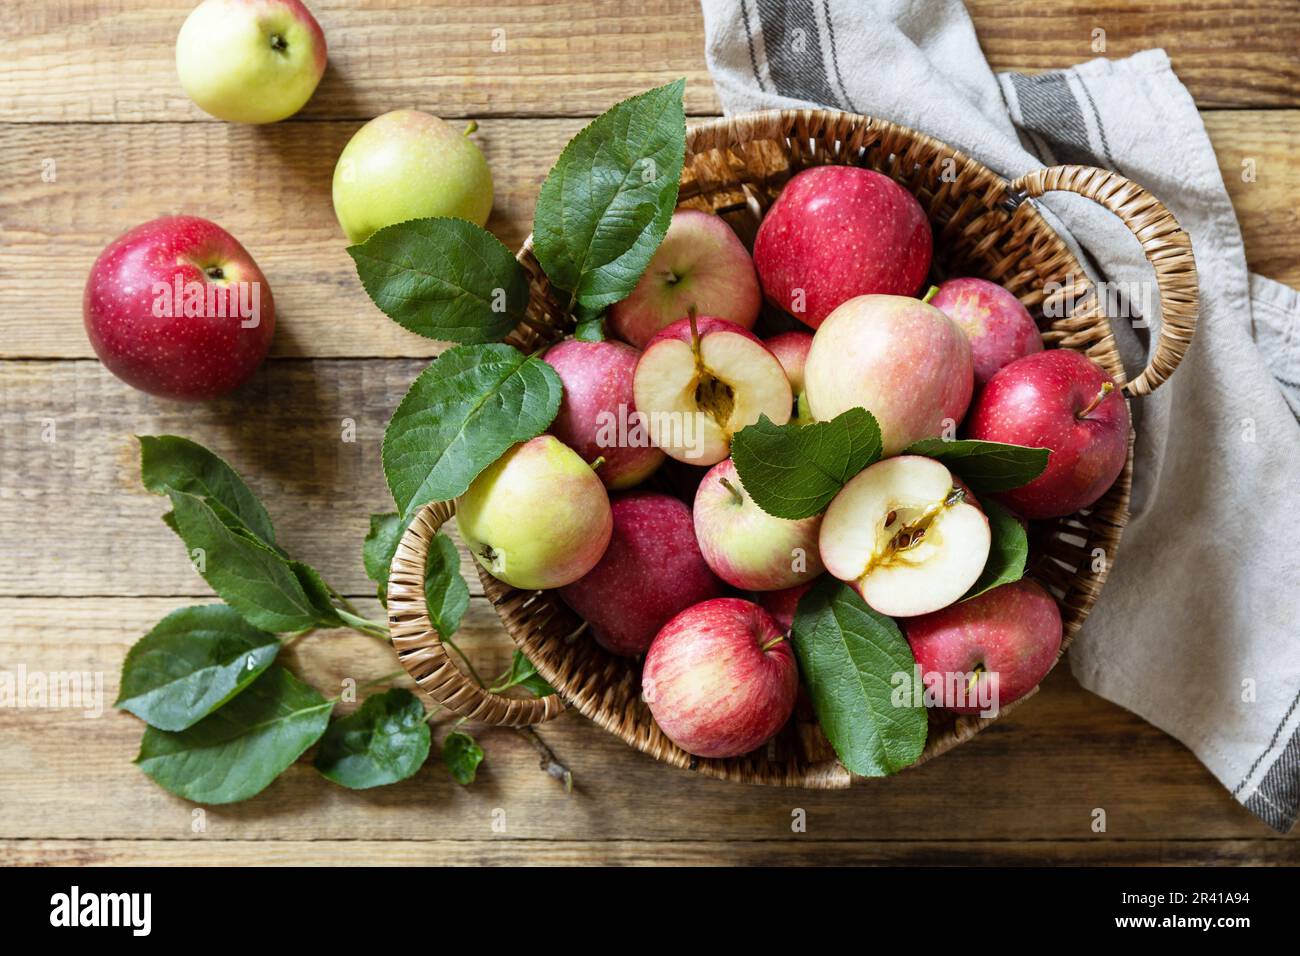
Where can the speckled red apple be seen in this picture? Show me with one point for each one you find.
(782, 604)
(999, 328)
(178, 308)
(791, 350)
(837, 232)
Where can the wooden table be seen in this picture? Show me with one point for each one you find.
(97, 136)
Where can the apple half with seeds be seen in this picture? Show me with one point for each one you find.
(701, 380)
(907, 535)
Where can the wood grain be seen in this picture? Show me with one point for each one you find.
(271, 188)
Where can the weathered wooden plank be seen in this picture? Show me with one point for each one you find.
(1039, 775)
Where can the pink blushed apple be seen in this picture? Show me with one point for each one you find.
(791, 350)
(651, 571)
(999, 328)
(703, 379)
(782, 604)
(597, 416)
(1061, 400)
(1013, 631)
(902, 360)
(702, 265)
(743, 544)
(838, 232)
(178, 308)
(720, 679)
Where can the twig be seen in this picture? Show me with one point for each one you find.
(548, 762)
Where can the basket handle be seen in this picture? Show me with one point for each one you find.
(423, 653)
(1167, 247)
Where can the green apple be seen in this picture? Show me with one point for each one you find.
(250, 61)
(409, 165)
(537, 517)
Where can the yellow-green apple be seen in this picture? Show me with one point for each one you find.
(702, 265)
(906, 535)
(743, 544)
(995, 647)
(597, 417)
(178, 308)
(250, 61)
(782, 604)
(537, 517)
(838, 232)
(791, 350)
(902, 360)
(720, 678)
(999, 328)
(1060, 400)
(701, 380)
(409, 165)
(651, 571)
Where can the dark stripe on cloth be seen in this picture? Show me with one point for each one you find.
(1049, 110)
(794, 51)
(1277, 800)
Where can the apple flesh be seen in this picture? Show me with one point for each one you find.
(537, 517)
(651, 571)
(902, 360)
(409, 165)
(743, 544)
(1012, 631)
(720, 678)
(791, 350)
(703, 379)
(178, 308)
(250, 61)
(906, 535)
(838, 232)
(702, 265)
(999, 328)
(597, 416)
(1060, 400)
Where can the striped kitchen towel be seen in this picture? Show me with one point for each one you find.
(1196, 629)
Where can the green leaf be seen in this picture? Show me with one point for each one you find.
(193, 661)
(377, 552)
(445, 279)
(445, 593)
(793, 471)
(462, 756)
(985, 465)
(236, 752)
(460, 415)
(849, 656)
(257, 582)
(1007, 553)
(606, 204)
(384, 741)
(590, 330)
(523, 673)
(319, 593)
(170, 463)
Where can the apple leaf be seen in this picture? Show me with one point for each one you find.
(193, 661)
(445, 593)
(377, 551)
(606, 204)
(460, 415)
(523, 673)
(384, 741)
(793, 471)
(985, 465)
(445, 279)
(1007, 553)
(236, 752)
(849, 656)
(462, 755)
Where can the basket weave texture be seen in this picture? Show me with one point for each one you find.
(983, 226)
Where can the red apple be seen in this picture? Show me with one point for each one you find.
(703, 379)
(1000, 329)
(720, 678)
(782, 604)
(597, 416)
(700, 264)
(791, 350)
(651, 570)
(178, 308)
(837, 232)
(1012, 631)
(1061, 400)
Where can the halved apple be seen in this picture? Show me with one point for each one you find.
(701, 380)
(907, 535)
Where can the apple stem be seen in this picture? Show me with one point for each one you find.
(974, 676)
(1106, 389)
(772, 643)
(740, 499)
(600, 460)
(930, 293)
(472, 127)
(695, 331)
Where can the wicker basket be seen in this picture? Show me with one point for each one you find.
(982, 226)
